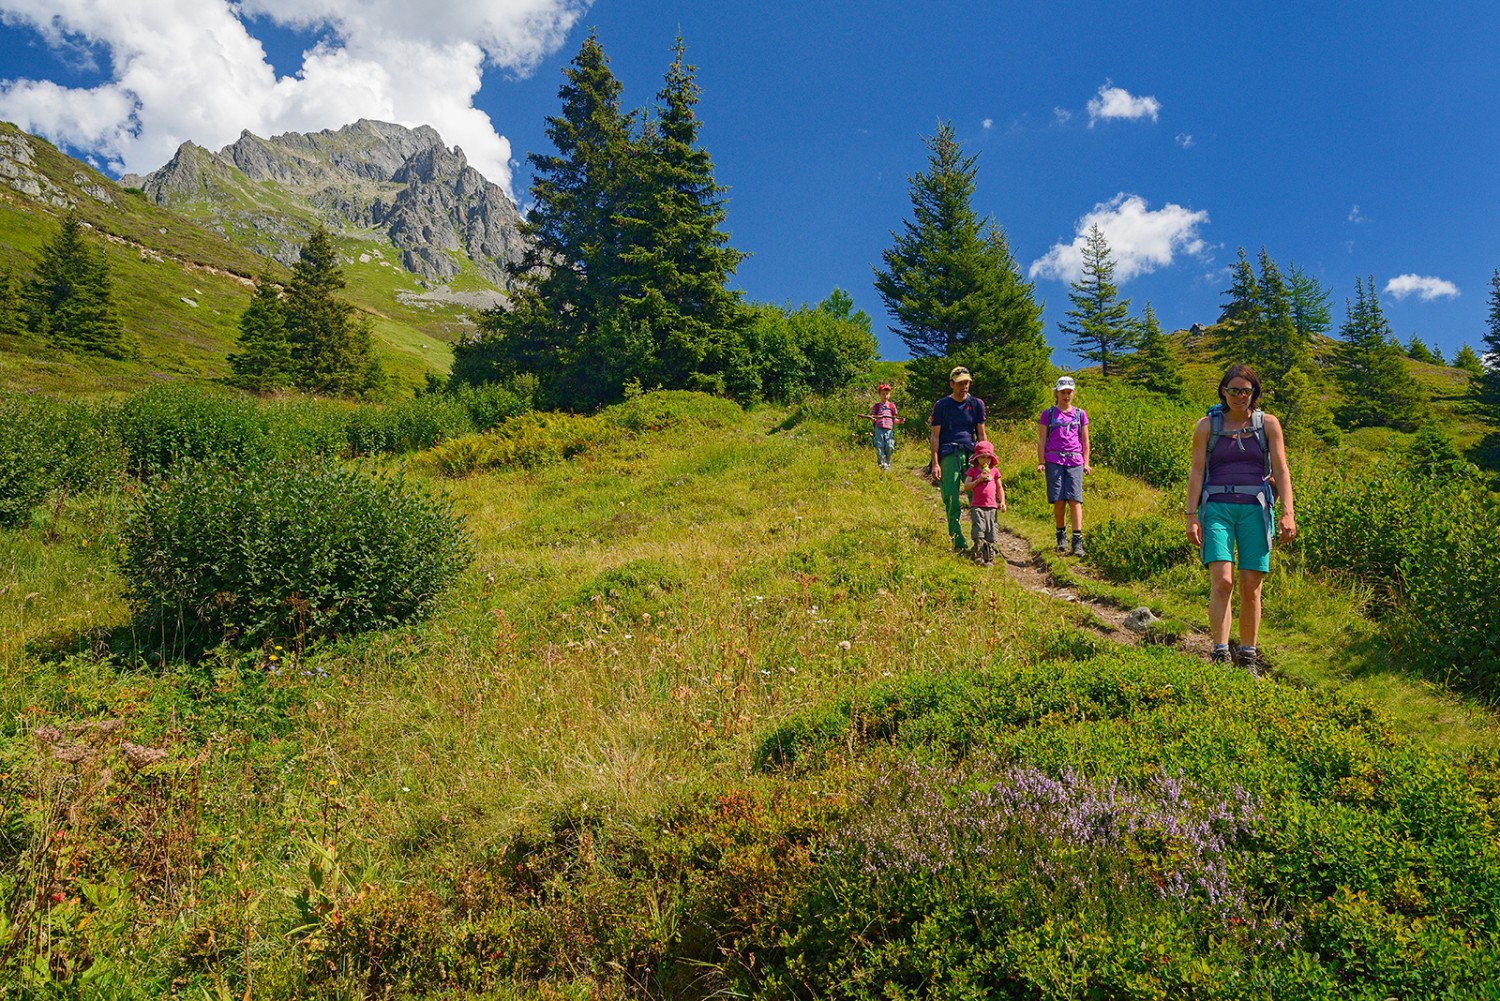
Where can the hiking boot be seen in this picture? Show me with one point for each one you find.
(1249, 660)
(1219, 656)
(1078, 545)
(1062, 543)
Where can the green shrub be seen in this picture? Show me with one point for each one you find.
(409, 426)
(670, 408)
(165, 424)
(303, 547)
(492, 403)
(1131, 549)
(535, 439)
(48, 444)
(1140, 434)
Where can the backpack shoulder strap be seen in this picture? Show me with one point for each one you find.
(1258, 425)
(1215, 432)
(1051, 414)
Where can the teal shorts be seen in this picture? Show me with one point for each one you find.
(1227, 527)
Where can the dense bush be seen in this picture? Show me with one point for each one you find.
(165, 424)
(303, 547)
(812, 349)
(409, 426)
(48, 444)
(535, 439)
(1130, 549)
(1140, 434)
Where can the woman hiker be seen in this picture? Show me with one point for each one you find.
(1239, 473)
(957, 425)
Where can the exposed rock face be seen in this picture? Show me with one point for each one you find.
(364, 179)
(18, 168)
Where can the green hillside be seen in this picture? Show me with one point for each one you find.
(714, 713)
(180, 289)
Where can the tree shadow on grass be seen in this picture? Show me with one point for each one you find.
(131, 645)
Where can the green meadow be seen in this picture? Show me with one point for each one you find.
(713, 712)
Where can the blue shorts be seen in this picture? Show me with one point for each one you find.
(1064, 483)
(1229, 527)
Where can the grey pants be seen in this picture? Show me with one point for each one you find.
(983, 526)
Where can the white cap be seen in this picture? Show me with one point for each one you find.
(1065, 382)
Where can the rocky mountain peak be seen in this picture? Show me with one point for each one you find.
(425, 198)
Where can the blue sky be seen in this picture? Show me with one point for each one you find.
(1351, 145)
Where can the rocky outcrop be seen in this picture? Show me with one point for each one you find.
(367, 179)
(20, 171)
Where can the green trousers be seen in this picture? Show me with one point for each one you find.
(952, 467)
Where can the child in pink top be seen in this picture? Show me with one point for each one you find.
(883, 415)
(986, 497)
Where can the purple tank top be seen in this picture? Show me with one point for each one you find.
(1237, 460)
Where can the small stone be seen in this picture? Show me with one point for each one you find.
(1139, 619)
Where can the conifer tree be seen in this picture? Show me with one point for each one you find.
(1371, 369)
(71, 300)
(677, 258)
(12, 305)
(1154, 366)
(1279, 346)
(1467, 360)
(1100, 323)
(332, 349)
(934, 276)
(1489, 366)
(956, 290)
(1310, 311)
(1417, 350)
(264, 361)
(1243, 307)
(1304, 410)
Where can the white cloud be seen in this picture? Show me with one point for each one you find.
(1061, 116)
(1140, 240)
(191, 70)
(1185, 140)
(1424, 287)
(1356, 216)
(987, 124)
(1117, 102)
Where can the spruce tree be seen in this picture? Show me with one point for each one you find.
(264, 361)
(1310, 311)
(1278, 346)
(1488, 384)
(1371, 369)
(12, 305)
(70, 298)
(570, 279)
(934, 281)
(332, 350)
(956, 290)
(1100, 323)
(1417, 350)
(677, 258)
(1154, 366)
(1468, 361)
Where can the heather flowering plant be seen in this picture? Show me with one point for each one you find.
(1069, 837)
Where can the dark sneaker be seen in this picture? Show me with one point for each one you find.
(1219, 657)
(1078, 545)
(1062, 544)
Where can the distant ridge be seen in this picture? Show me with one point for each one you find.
(374, 180)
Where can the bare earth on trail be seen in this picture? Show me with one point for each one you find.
(1027, 568)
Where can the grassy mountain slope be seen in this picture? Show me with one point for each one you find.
(158, 259)
(622, 756)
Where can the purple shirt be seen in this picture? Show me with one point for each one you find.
(1064, 435)
(1236, 461)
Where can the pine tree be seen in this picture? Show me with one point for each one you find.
(264, 362)
(1100, 325)
(1468, 361)
(565, 314)
(1304, 411)
(1371, 369)
(12, 305)
(934, 278)
(71, 300)
(332, 350)
(1417, 350)
(1310, 310)
(1154, 366)
(677, 258)
(1279, 346)
(957, 292)
(1488, 385)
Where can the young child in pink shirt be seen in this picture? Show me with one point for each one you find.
(986, 497)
